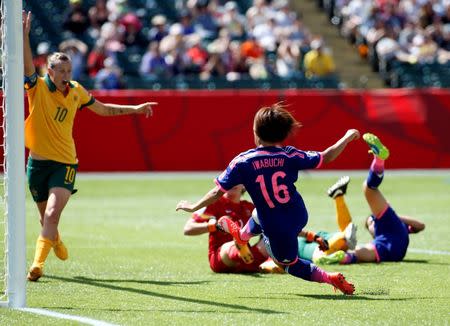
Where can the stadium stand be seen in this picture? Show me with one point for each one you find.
(217, 61)
(407, 42)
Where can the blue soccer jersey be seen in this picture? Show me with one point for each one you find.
(269, 175)
(391, 237)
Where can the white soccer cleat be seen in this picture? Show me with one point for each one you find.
(350, 235)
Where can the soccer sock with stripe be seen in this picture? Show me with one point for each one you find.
(319, 275)
(376, 173)
(302, 269)
(377, 164)
(374, 179)
(250, 229)
(350, 258)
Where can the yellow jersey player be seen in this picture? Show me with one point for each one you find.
(52, 164)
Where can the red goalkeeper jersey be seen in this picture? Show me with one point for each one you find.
(239, 212)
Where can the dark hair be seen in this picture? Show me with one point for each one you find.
(274, 123)
(56, 58)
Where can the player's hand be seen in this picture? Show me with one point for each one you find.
(311, 236)
(323, 243)
(212, 225)
(146, 108)
(26, 22)
(184, 205)
(352, 134)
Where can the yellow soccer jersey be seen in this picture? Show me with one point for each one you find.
(48, 128)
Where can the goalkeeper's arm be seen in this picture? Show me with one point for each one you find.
(194, 227)
(311, 236)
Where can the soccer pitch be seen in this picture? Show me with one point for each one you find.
(130, 264)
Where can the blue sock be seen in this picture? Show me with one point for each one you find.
(254, 227)
(350, 258)
(374, 179)
(302, 268)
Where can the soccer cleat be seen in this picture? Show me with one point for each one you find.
(350, 235)
(269, 266)
(339, 188)
(245, 253)
(35, 273)
(226, 225)
(334, 258)
(339, 282)
(60, 250)
(376, 147)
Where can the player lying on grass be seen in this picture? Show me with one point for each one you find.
(390, 231)
(52, 164)
(269, 172)
(224, 254)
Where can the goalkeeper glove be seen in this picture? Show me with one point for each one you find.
(323, 243)
(212, 225)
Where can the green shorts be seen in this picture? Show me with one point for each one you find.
(43, 175)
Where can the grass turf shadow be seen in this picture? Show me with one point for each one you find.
(101, 283)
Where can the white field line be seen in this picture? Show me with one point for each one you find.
(49, 313)
(429, 252)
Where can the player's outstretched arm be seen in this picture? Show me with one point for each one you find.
(119, 109)
(29, 69)
(192, 227)
(209, 198)
(195, 228)
(332, 152)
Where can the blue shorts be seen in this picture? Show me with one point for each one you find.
(391, 237)
(283, 248)
(280, 231)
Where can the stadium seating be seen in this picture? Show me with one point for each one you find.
(47, 26)
(419, 75)
(396, 74)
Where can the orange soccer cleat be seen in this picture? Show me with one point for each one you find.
(245, 253)
(35, 273)
(60, 250)
(339, 282)
(227, 225)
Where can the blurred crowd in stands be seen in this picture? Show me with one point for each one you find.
(206, 39)
(389, 32)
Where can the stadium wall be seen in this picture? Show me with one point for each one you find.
(197, 130)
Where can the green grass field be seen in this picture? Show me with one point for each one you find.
(131, 265)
